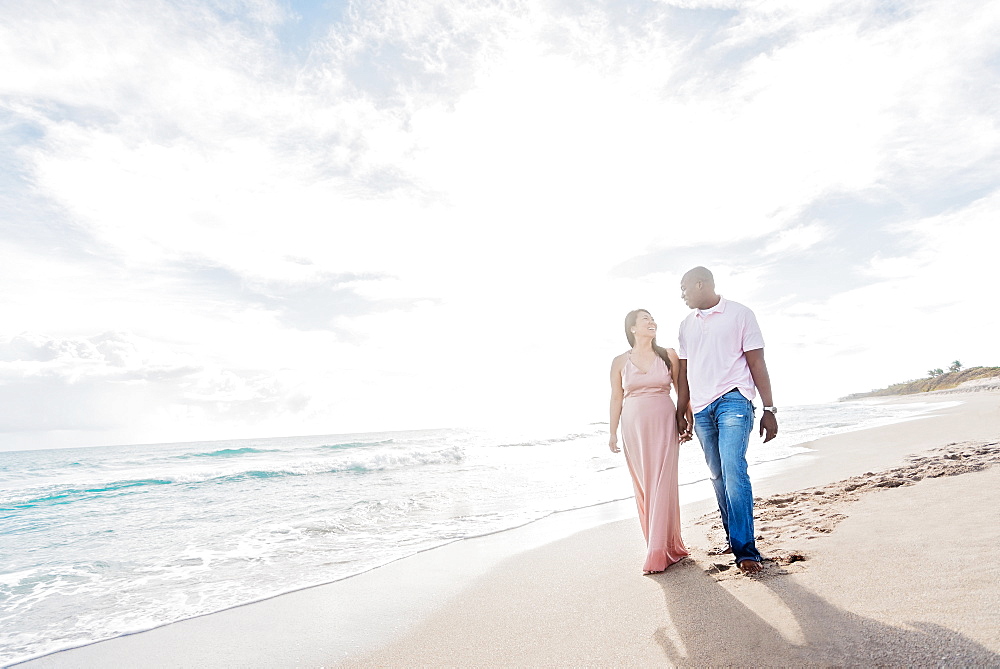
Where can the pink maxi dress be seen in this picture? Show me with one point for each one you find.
(651, 444)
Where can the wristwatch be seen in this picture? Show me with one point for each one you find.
(771, 409)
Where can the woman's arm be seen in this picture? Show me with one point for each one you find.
(617, 397)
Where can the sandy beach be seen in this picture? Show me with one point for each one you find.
(877, 545)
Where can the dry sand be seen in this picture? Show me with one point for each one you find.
(892, 569)
(879, 551)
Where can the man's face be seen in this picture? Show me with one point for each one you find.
(691, 291)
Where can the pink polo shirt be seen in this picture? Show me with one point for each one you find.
(714, 342)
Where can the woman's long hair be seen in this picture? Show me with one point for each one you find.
(630, 320)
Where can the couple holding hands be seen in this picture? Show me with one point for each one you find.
(717, 371)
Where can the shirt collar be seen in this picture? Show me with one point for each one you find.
(717, 309)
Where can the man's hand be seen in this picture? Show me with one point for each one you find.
(613, 444)
(683, 428)
(769, 424)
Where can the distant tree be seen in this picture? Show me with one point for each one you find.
(955, 366)
(935, 372)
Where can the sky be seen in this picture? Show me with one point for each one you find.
(249, 218)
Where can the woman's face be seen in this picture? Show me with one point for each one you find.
(644, 326)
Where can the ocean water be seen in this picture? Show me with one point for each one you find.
(100, 542)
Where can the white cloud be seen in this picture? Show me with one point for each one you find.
(797, 238)
(438, 196)
(918, 311)
(81, 391)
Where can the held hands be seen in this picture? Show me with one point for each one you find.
(683, 428)
(769, 424)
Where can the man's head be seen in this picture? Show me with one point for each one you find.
(698, 289)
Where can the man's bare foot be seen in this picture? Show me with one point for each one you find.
(748, 566)
(721, 551)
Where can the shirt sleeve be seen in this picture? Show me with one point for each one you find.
(753, 338)
(681, 346)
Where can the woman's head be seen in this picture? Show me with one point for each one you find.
(639, 321)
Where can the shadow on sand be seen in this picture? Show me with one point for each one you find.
(775, 621)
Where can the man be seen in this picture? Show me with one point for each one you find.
(721, 367)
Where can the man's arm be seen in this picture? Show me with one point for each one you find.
(761, 379)
(683, 400)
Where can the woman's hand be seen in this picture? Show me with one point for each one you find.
(613, 444)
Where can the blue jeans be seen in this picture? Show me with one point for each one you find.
(723, 428)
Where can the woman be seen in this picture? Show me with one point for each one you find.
(640, 401)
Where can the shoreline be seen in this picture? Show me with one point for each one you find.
(556, 524)
(349, 631)
(696, 490)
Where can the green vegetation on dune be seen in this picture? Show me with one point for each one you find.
(937, 380)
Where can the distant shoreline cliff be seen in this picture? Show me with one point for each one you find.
(942, 381)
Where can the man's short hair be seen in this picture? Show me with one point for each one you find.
(702, 274)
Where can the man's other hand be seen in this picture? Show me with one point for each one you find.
(768, 424)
